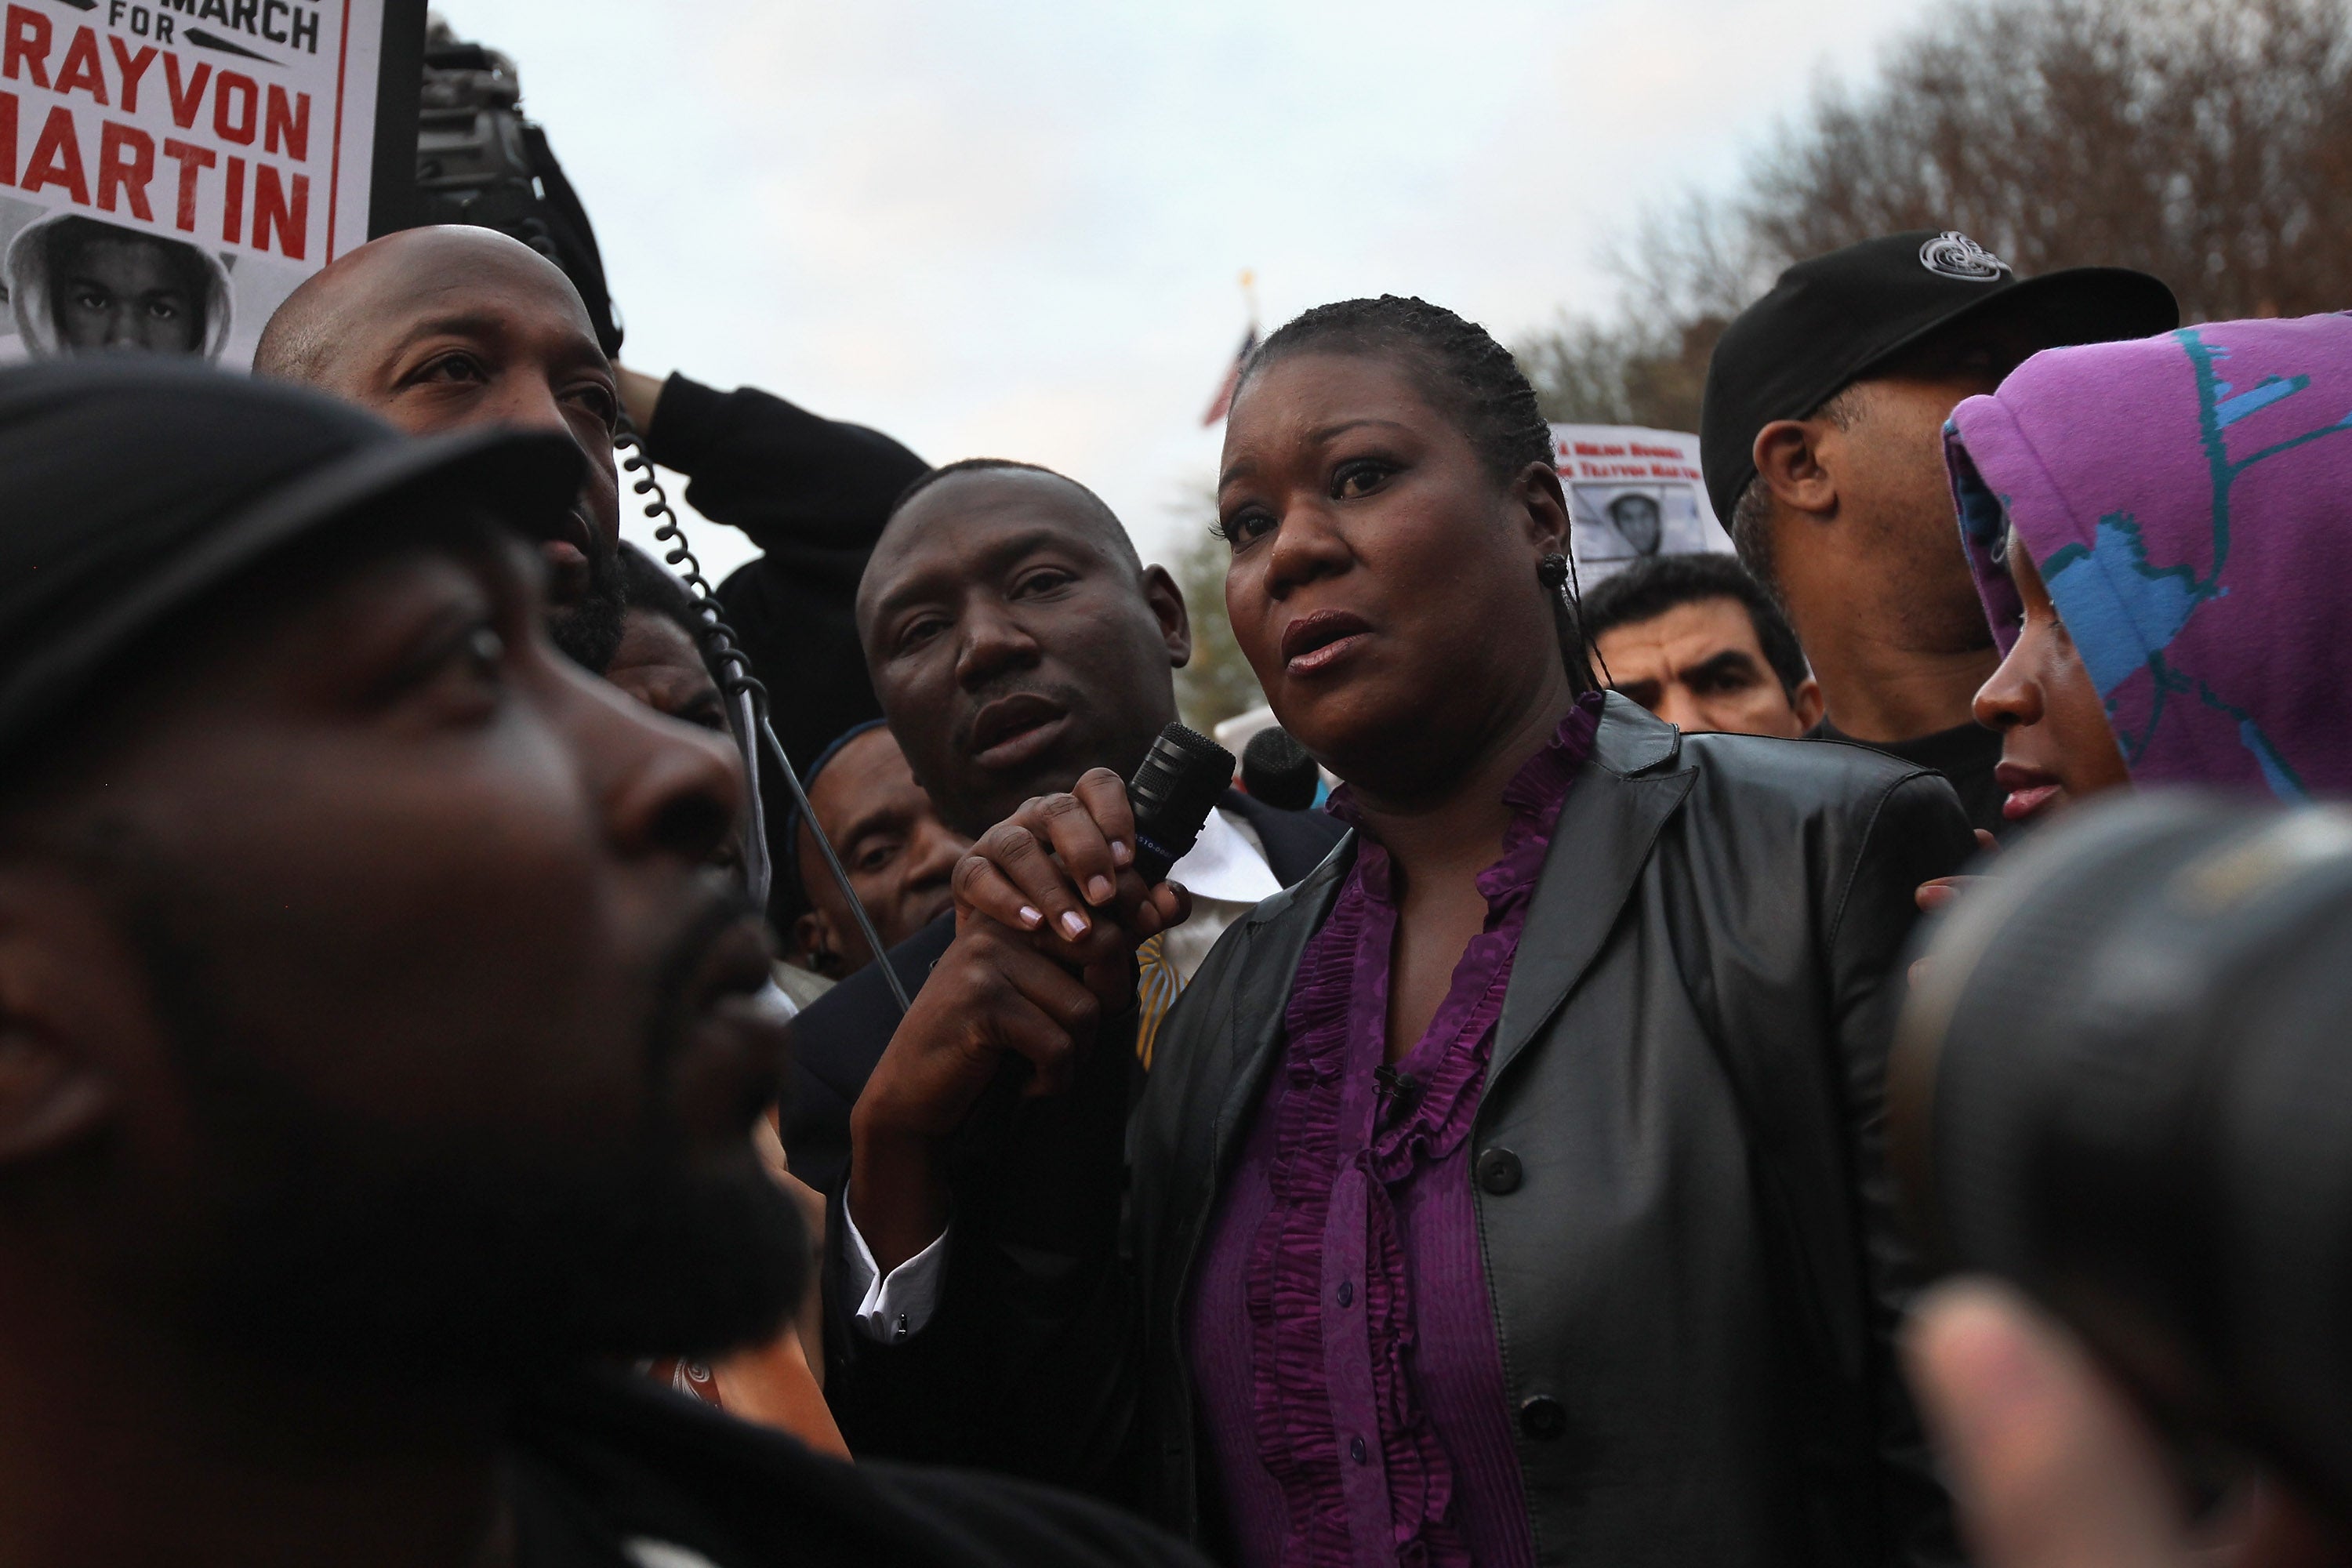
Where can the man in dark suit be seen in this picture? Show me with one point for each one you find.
(1016, 640)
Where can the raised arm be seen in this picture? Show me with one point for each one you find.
(814, 494)
(794, 481)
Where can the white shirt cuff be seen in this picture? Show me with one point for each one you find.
(897, 1307)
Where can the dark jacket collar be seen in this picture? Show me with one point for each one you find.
(1623, 796)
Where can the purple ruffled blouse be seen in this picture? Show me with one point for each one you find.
(1350, 1383)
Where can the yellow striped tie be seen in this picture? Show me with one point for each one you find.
(1156, 989)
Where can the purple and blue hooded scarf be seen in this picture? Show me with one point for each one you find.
(2188, 499)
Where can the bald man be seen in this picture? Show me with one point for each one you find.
(1016, 640)
(437, 329)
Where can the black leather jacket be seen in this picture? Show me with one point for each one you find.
(1690, 1247)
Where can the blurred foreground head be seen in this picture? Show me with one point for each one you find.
(368, 1007)
(2120, 1084)
(456, 328)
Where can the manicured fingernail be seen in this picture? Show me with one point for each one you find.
(1075, 923)
(1030, 916)
(1120, 854)
(1099, 890)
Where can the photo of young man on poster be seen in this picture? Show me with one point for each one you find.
(79, 285)
(164, 186)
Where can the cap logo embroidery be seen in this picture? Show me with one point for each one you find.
(1954, 254)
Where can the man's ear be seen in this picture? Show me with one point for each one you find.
(53, 1090)
(1167, 602)
(813, 942)
(1807, 700)
(1788, 455)
(1543, 507)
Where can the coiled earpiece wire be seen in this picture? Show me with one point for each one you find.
(747, 701)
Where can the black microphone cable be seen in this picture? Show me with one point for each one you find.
(747, 701)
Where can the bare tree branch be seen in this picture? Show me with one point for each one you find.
(2208, 141)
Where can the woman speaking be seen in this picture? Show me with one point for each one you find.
(1509, 1190)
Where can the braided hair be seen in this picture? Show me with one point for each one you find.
(1463, 374)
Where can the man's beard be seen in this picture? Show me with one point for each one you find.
(331, 1240)
(590, 631)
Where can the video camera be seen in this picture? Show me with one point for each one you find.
(479, 161)
(2124, 1083)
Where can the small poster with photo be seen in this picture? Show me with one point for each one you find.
(170, 170)
(1632, 492)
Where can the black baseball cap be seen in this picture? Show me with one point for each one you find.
(134, 485)
(1832, 320)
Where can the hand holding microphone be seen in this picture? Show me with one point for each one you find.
(1051, 905)
(1063, 861)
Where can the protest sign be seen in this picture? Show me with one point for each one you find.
(169, 170)
(1631, 492)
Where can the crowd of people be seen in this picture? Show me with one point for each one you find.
(417, 1147)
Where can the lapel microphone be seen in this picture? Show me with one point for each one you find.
(1182, 777)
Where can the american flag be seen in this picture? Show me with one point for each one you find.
(1224, 402)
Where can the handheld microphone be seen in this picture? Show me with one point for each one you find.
(1276, 770)
(1180, 782)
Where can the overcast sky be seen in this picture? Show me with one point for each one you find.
(1014, 229)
